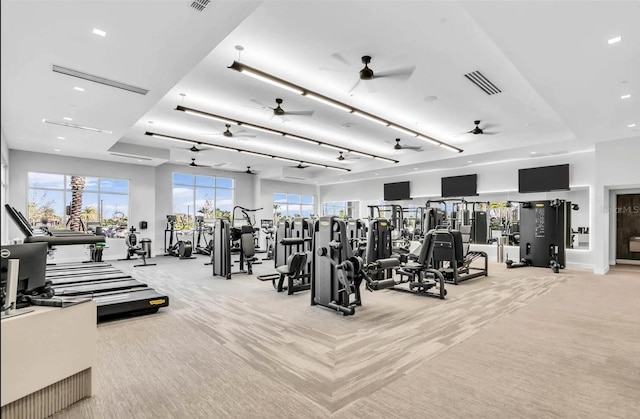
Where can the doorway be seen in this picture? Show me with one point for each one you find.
(628, 229)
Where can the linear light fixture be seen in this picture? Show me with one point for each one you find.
(240, 150)
(275, 81)
(67, 124)
(278, 132)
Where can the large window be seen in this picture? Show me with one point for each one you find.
(79, 202)
(208, 196)
(292, 205)
(342, 209)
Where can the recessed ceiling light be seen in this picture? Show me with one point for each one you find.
(139, 160)
(57, 150)
(376, 174)
(415, 168)
(60, 138)
(614, 40)
(66, 118)
(631, 126)
(99, 32)
(625, 96)
(469, 161)
(533, 152)
(79, 89)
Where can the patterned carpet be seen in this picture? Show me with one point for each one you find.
(236, 348)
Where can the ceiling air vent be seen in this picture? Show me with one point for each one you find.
(98, 79)
(482, 82)
(200, 5)
(130, 157)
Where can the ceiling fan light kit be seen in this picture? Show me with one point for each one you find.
(365, 72)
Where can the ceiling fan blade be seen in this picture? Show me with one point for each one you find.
(262, 105)
(489, 133)
(335, 70)
(339, 57)
(399, 73)
(244, 136)
(299, 113)
(355, 85)
(487, 126)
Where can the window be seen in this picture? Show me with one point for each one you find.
(211, 197)
(292, 205)
(342, 209)
(79, 203)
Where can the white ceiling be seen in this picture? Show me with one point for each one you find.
(561, 81)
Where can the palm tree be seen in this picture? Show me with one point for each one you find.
(75, 211)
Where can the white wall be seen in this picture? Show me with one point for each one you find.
(496, 181)
(141, 190)
(4, 161)
(617, 167)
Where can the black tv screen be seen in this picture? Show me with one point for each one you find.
(458, 186)
(397, 191)
(544, 179)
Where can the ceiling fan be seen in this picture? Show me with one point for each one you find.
(477, 130)
(341, 157)
(227, 133)
(278, 111)
(399, 146)
(248, 171)
(367, 73)
(194, 164)
(299, 166)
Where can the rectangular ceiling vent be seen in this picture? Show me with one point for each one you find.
(482, 82)
(130, 157)
(98, 79)
(200, 5)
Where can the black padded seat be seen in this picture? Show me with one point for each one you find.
(66, 240)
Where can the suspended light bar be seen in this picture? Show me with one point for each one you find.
(429, 140)
(451, 148)
(403, 130)
(275, 81)
(277, 132)
(328, 102)
(371, 118)
(252, 153)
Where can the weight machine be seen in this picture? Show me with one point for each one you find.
(543, 234)
(337, 274)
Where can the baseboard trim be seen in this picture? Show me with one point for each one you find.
(627, 262)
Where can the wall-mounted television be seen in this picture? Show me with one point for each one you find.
(544, 179)
(397, 191)
(459, 186)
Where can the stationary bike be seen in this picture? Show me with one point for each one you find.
(133, 248)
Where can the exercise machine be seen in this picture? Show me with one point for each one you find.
(181, 248)
(269, 230)
(337, 274)
(203, 246)
(135, 249)
(542, 234)
(221, 255)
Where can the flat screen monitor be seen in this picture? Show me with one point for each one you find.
(459, 186)
(33, 265)
(544, 179)
(397, 191)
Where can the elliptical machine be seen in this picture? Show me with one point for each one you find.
(202, 230)
(182, 248)
(269, 230)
